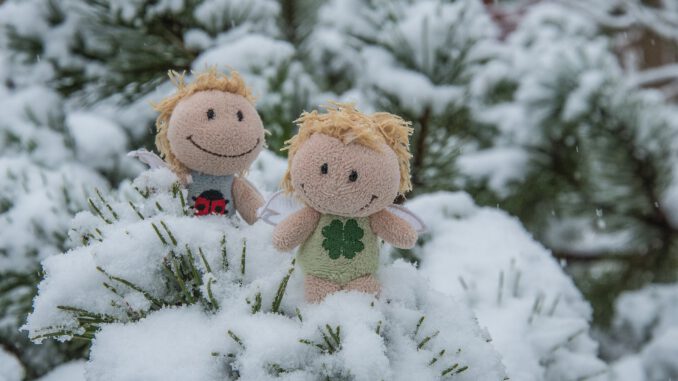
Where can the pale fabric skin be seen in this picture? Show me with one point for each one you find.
(219, 133)
(247, 199)
(295, 229)
(368, 284)
(222, 145)
(316, 289)
(393, 229)
(333, 193)
(337, 193)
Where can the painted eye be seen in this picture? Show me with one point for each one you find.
(353, 176)
(323, 169)
(210, 114)
(239, 115)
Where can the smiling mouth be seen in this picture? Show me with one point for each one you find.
(374, 197)
(190, 139)
(303, 190)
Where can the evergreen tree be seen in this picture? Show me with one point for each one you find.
(120, 51)
(546, 125)
(593, 154)
(414, 59)
(211, 300)
(42, 187)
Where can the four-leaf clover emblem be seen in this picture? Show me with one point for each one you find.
(343, 239)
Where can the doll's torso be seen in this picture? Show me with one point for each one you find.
(209, 194)
(340, 249)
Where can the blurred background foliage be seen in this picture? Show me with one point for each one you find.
(560, 112)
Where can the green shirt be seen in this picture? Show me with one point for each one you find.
(340, 249)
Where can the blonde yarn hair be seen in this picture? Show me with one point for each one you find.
(210, 79)
(344, 122)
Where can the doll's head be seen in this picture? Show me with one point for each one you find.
(209, 125)
(347, 163)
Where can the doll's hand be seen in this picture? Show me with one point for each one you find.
(393, 229)
(295, 229)
(247, 199)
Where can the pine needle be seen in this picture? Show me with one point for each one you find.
(213, 301)
(243, 257)
(108, 205)
(236, 338)
(169, 233)
(257, 303)
(224, 253)
(182, 284)
(144, 194)
(426, 340)
(197, 279)
(141, 216)
(275, 307)
(97, 211)
(157, 232)
(436, 358)
(204, 260)
(156, 302)
(449, 370)
(419, 323)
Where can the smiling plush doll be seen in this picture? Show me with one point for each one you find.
(209, 133)
(346, 168)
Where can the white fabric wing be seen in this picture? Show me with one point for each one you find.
(149, 158)
(278, 207)
(409, 217)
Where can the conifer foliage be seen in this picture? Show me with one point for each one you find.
(208, 290)
(543, 123)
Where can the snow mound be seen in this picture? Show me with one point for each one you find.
(646, 322)
(98, 141)
(10, 368)
(538, 320)
(72, 371)
(210, 299)
(36, 204)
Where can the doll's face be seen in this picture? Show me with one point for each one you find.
(348, 180)
(215, 132)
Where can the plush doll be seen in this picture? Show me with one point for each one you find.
(209, 133)
(346, 168)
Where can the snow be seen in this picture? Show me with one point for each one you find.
(33, 125)
(220, 15)
(130, 248)
(251, 52)
(660, 355)
(413, 89)
(98, 140)
(43, 186)
(178, 342)
(10, 367)
(483, 283)
(500, 165)
(71, 371)
(645, 327)
(538, 320)
(40, 204)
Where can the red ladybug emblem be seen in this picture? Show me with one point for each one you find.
(210, 202)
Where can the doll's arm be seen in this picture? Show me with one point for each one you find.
(247, 199)
(185, 179)
(393, 229)
(295, 229)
